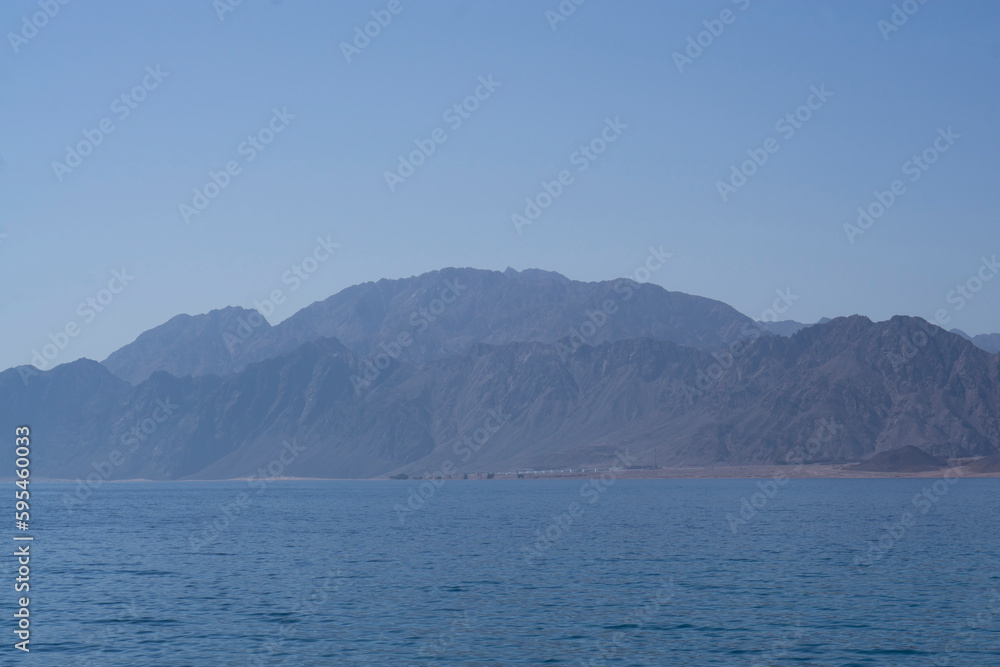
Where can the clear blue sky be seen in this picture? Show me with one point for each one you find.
(655, 185)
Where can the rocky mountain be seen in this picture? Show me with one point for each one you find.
(436, 314)
(194, 345)
(904, 459)
(985, 465)
(842, 392)
(988, 342)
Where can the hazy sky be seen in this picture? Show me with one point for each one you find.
(197, 86)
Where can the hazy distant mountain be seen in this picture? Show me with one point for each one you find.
(439, 313)
(988, 342)
(193, 345)
(850, 387)
(71, 406)
(788, 328)
(784, 328)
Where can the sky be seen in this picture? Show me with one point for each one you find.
(159, 158)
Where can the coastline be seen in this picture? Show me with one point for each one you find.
(818, 471)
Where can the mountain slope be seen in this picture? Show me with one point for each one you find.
(70, 409)
(904, 459)
(836, 392)
(218, 343)
(439, 314)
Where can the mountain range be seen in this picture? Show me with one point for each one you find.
(443, 311)
(988, 342)
(462, 370)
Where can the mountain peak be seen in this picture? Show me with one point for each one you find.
(434, 315)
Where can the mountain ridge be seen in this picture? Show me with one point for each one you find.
(515, 405)
(441, 311)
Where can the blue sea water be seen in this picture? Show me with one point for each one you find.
(514, 572)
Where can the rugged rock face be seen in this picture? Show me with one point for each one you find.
(842, 391)
(439, 313)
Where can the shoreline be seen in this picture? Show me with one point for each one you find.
(707, 472)
(769, 472)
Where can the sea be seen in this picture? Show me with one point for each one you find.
(609, 571)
